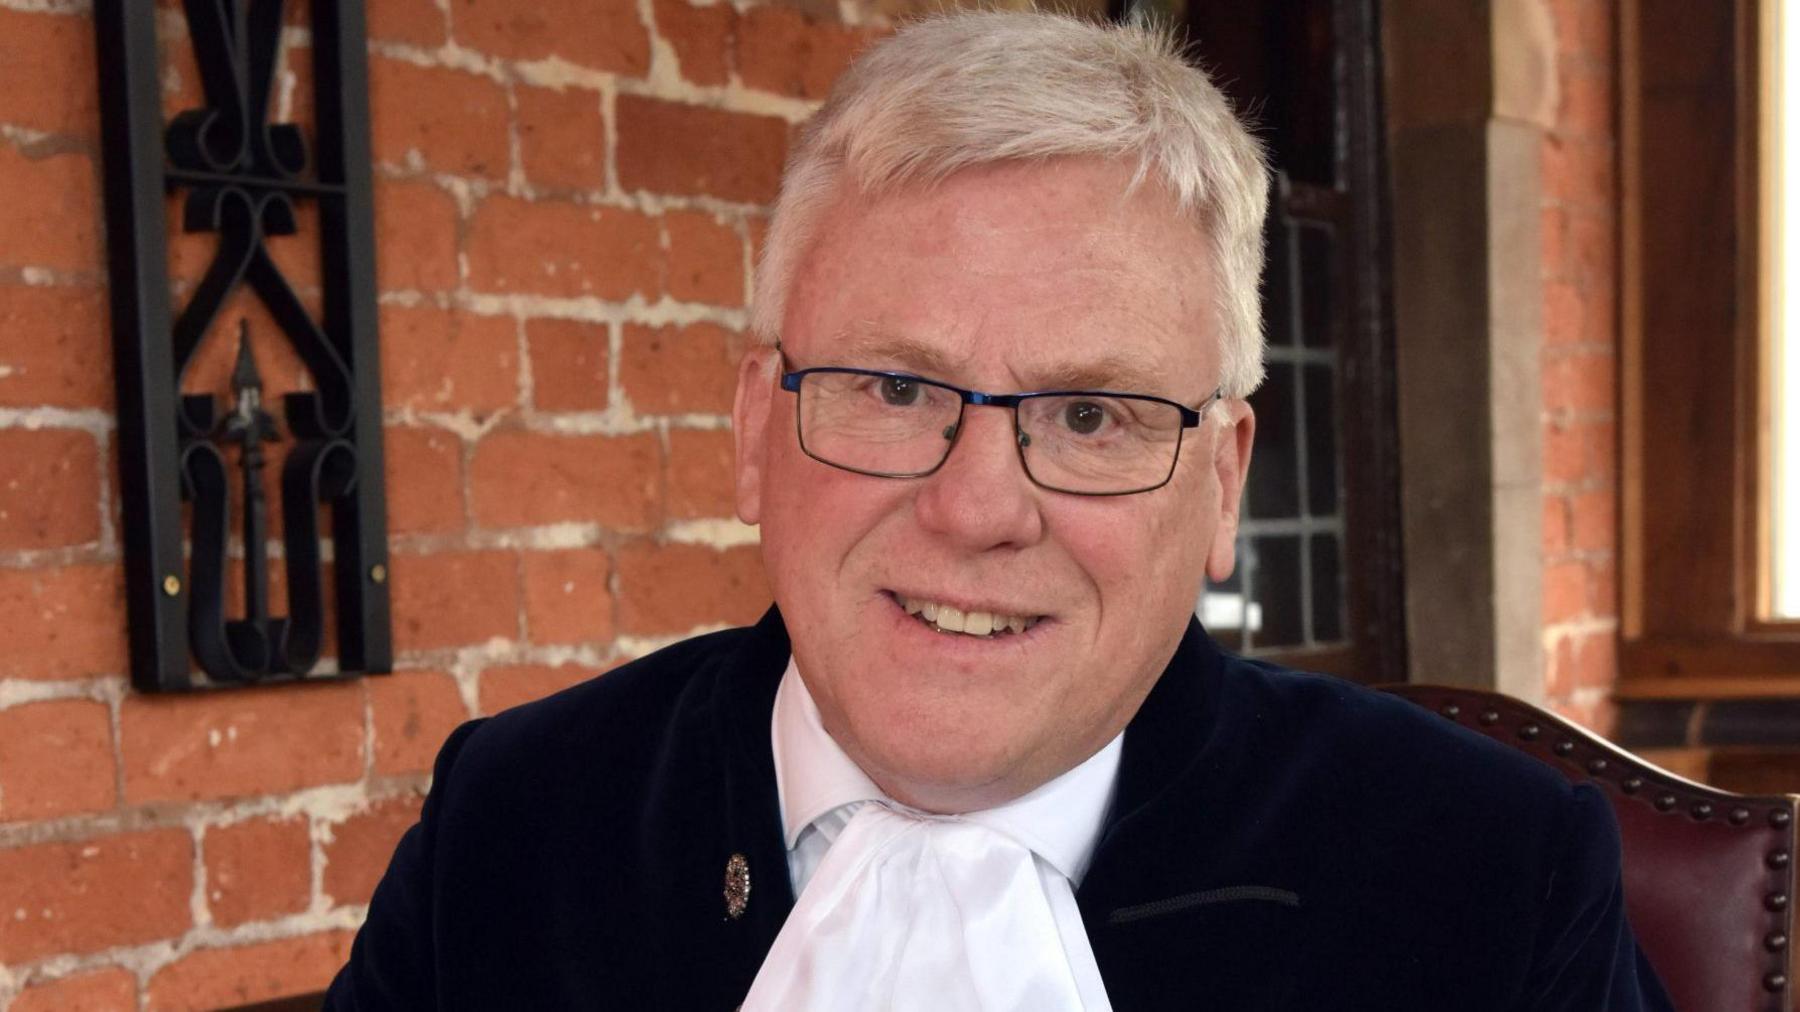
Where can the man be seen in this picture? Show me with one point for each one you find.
(982, 756)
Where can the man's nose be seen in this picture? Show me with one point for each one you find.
(981, 497)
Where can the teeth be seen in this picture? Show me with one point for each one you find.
(975, 623)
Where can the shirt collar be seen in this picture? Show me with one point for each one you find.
(1059, 821)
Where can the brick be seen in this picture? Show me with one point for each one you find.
(562, 138)
(424, 480)
(700, 36)
(417, 22)
(86, 895)
(568, 364)
(1603, 588)
(706, 259)
(506, 687)
(51, 214)
(1595, 520)
(1584, 28)
(362, 845)
(1564, 314)
(523, 478)
(679, 370)
(604, 36)
(415, 235)
(1579, 172)
(61, 352)
(46, 80)
(1556, 526)
(1586, 91)
(56, 758)
(1581, 383)
(701, 480)
(1565, 592)
(257, 870)
(67, 622)
(566, 596)
(412, 713)
(1554, 243)
(671, 589)
(105, 990)
(447, 360)
(454, 599)
(1565, 454)
(452, 121)
(279, 364)
(240, 743)
(665, 147)
(297, 255)
(1559, 668)
(1596, 661)
(1593, 253)
(556, 248)
(239, 975)
(781, 50)
(49, 488)
(1597, 715)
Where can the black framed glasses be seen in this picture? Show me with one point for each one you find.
(898, 425)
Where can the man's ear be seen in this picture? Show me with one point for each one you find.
(1230, 463)
(749, 424)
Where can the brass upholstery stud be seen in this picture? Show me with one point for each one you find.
(1779, 859)
(1529, 732)
(1775, 902)
(1665, 802)
(1490, 717)
(1739, 815)
(1775, 941)
(1701, 811)
(1780, 817)
(1631, 785)
(1564, 747)
(1450, 710)
(1596, 766)
(1774, 980)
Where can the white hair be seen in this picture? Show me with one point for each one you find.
(973, 88)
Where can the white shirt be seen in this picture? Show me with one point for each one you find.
(820, 788)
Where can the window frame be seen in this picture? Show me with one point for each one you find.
(1694, 386)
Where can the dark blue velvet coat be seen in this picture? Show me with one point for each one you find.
(1279, 841)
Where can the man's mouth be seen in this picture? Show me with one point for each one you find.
(950, 619)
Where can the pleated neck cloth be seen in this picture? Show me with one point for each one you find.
(906, 910)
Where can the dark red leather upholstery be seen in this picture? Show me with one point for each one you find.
(1709, 876)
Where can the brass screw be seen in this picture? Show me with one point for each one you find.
(171, 585)
(378, 573)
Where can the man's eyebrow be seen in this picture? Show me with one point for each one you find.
(1099, 372)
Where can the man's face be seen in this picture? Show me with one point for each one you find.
(1004, 278)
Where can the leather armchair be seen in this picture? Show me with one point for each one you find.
(1709, 875)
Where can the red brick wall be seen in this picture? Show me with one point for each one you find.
(568, 197)
(1580, 365)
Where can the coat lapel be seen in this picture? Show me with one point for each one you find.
(716, 888)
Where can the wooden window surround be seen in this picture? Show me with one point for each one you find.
(1694, 391)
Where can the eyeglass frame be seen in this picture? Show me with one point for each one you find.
(792, 378)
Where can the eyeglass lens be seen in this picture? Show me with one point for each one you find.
(901, 426)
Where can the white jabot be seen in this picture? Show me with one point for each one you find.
(901, 909)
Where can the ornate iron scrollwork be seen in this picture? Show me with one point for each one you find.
(240, 177)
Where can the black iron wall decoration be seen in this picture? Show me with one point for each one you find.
(240, 176)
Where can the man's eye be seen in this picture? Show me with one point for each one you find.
(900, 393)
(1083, 417)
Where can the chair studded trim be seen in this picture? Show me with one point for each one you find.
(1709, 875)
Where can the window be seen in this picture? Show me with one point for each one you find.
(1707, 522)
